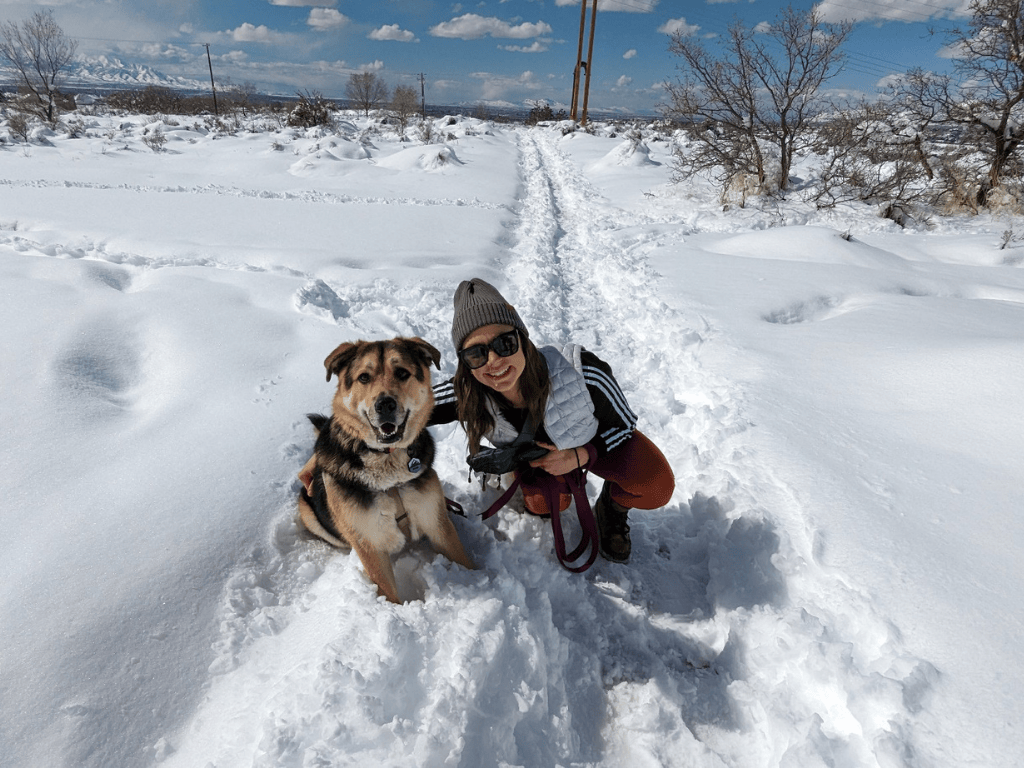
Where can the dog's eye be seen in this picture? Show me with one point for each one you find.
(364, 378)
(401, 374)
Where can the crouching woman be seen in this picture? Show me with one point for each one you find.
(569, 398)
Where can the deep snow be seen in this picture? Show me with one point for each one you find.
(837, 581)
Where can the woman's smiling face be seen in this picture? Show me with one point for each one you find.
(499, 373)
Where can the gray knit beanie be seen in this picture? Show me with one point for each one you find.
(478, 303)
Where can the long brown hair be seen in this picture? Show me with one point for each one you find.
(471, 396)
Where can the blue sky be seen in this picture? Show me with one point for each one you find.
(492, 52)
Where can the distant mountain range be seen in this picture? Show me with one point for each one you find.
(105, 73)
(109, 71)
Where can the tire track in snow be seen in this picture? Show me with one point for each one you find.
(797, 644)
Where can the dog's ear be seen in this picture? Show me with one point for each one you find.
(427, 351)
(339, 358)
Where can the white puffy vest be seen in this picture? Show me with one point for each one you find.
(569, 414)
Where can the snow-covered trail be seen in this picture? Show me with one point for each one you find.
(722, 642)
(796, 643)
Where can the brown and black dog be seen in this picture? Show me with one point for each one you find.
(370, 482)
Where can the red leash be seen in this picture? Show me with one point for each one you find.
(551, 489)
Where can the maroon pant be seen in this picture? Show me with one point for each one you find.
(640, 478)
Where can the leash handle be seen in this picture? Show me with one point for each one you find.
(577, 482)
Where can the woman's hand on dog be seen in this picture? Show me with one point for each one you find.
(557, 462)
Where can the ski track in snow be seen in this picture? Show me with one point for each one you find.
(736, 644)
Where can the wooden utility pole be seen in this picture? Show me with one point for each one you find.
(583, 65)
(212, 84)
(423, 96)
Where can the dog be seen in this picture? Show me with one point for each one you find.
(370, 482)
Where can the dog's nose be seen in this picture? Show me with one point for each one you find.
(386, 407)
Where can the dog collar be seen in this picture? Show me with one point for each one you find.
(414, 465)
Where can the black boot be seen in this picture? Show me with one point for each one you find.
(612, 527)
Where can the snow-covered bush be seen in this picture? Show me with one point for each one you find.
(312, 110)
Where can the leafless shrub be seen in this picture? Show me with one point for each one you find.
(1009, 238)
(75, 128)
(155, 139)
(20, 125)
(312, 110)
(426, 132)
(960, 184)
(872, 155)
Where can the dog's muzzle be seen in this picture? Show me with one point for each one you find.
(388, 427)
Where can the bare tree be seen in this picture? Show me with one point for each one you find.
(40, 53)
(984, 102)
(404, 103)
(241, 97)
(755, 97)
(366, 91)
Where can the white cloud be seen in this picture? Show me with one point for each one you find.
(249, 33)
(890, 80)
(763, 28)
(630, 54)
(323, 19)
(163, 51)
(303, 3)
(471, 26)
(679, 26)
(950, 51)
(234, 57)
(373, 66)
(623, 81)
(393, 32)
(624, 6)
(891, 10)
(537, 47)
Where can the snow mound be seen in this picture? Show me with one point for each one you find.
(820, 245)
(322, 157)
(628, 154)
(429, 157)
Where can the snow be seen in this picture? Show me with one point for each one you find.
(836, 582)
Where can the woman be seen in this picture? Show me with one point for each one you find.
(503, 382)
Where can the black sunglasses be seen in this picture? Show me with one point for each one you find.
(504, 344)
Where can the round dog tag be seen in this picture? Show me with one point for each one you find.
(415, 465)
